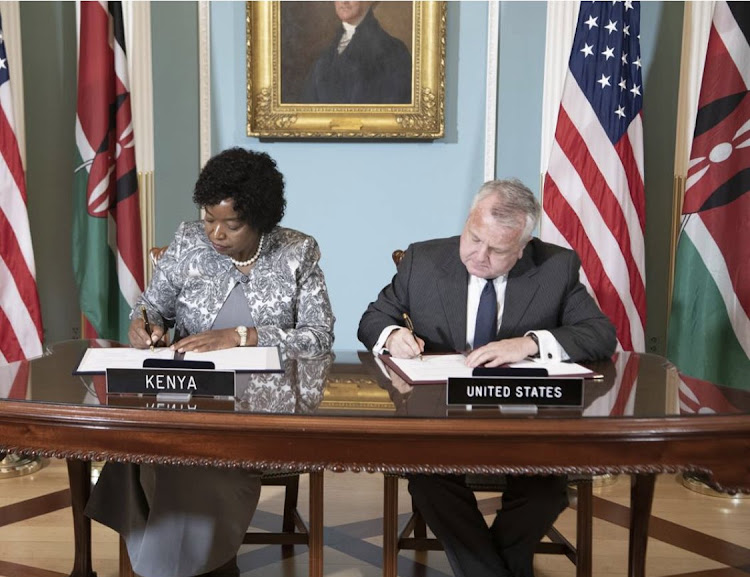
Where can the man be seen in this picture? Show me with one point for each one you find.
(505, 296)
(363, 65)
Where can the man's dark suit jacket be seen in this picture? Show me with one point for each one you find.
(543, 292)
(375, 68)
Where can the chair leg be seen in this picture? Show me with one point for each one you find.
(420, 527)
(584, 528)
(126, 569)
(390, 526)
(290, 503)
(315, 536)
(290, 507)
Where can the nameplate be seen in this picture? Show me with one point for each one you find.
(158, 381)
(530, 391)
(151, 402)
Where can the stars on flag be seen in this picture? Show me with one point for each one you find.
(608, 55)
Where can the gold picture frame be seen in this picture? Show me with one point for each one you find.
(283, 60)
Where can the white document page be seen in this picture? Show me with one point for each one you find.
(441, 367)
(99, 360)
(256, 359)
(433, 367)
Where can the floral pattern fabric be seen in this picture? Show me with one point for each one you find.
(285, 290)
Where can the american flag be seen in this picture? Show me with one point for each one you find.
(593, 191)
(20, 314)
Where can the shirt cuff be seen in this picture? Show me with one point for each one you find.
(550, 351)
(379, 346)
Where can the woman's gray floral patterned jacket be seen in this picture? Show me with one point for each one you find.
(285, 290)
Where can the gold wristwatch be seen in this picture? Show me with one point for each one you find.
(242, 331)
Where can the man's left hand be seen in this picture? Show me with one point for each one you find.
(498, 353)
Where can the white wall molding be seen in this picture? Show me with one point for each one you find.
(11, 13)
(204, 79)
(561, 24)
(696, 27)
(137, 24)
(490, 119)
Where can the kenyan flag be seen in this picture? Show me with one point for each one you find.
(709, 330)
(107, 251)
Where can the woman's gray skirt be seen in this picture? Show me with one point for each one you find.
(176, 521)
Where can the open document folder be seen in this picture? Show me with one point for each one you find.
(432, 369)
(240, 359)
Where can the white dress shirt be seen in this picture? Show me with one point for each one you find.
(346, 37)
(549, 349)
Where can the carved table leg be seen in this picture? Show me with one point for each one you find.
(641, 497)
(315, 545)
(390, 525)
(79, 478)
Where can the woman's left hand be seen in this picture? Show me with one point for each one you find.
(214, 341)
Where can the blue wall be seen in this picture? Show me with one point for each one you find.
(362, 200)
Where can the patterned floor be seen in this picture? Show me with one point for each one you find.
(691, 535)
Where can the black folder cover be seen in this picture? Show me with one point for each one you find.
(509, 372)
(177, 364)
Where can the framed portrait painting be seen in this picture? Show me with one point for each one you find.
(345, 69)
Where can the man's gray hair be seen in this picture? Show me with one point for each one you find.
(514, 201)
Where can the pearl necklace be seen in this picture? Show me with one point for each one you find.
(254, 257)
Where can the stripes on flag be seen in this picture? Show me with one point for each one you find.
(21, 333)
(619, 400)
(701, 397)
(14, 380)
(107, 250)
(709, 328)
(593, 199)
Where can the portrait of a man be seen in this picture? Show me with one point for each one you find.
(346, 52)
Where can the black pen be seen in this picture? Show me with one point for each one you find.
(147, 326)
(410, 326)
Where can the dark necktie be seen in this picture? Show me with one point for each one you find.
(485, 330)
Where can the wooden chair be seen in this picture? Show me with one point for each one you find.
(413, 536)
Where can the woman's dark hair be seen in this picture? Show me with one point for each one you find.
(250, 179)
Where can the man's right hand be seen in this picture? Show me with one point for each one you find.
(402, 344)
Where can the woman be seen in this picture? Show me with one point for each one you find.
(234, 279)
(238, 265)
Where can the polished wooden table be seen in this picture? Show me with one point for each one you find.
(641, 420)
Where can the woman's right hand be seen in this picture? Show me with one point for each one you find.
(138, 336)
